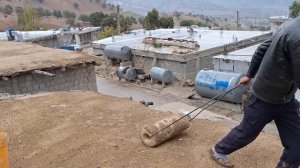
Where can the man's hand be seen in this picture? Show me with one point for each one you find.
(245, 80)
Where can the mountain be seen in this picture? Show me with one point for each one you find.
(249, 8)
(82, 7)
(77, 6)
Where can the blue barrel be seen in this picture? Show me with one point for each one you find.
(161, 74)
(127, 73)
(9, 34)
(209, 83)
(118, 52)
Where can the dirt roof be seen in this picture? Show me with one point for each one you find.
(22, 57)
(87, 129)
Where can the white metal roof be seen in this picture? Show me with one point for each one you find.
(240, 55)
(205, 38)
(28, 35)
(234, 57)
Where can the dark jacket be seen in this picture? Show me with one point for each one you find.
(276, 65)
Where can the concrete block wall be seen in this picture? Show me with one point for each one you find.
(51, 42)
(80, 78)
(181, 70)
(234, 66)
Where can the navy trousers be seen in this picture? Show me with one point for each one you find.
(259, 113)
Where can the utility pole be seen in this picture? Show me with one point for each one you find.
(237, 20)
(118, 19)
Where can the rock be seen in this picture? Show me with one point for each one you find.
(113, 73)
(142, 102)
(185, 84)
(126, 64)
(130, 98)
(190, 83)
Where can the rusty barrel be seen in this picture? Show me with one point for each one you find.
(4, 150)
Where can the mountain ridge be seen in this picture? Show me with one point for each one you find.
(253, 8)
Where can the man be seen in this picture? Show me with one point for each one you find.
(276, 68)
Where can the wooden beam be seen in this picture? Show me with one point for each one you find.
(39, 72)
(4, 78)
(63, 69)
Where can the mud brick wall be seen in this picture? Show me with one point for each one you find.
(78, 78)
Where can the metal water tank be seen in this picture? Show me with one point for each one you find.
(118, 52)
(209, 83)
(161, 74)
(127, 73)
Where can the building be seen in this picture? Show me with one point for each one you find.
(276, 21)
(56, 38)
(44, 38)
(237, 62)
(183, 51)
(28, 68)
(86, 35)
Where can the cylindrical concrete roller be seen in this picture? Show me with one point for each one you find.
(176, 128)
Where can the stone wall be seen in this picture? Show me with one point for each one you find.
(76, 78)
(49, 41)
(181, 70)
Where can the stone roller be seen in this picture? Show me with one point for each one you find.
(161, 131)
(148, 131)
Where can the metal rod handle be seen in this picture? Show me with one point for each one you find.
(214, 98)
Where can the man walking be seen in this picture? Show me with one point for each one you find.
(276, 68)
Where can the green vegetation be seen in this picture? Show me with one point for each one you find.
(68, 14)
(29, 20)
(40, 11)
(47, 12)
(19, 10)
(96, 18)
(57, 14)
(187, 23)
(75, 5)
(166, 22)
(110, 20)
(39, 1)
(154, 21)
(83, 17)
(70, 21)
(108, 32)
(7, 10)
(294, 9)
(151, 21)
(127, 22)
